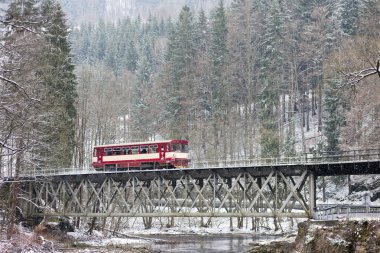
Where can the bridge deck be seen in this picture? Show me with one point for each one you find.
(224, 169)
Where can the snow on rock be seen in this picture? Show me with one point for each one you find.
(338, 241)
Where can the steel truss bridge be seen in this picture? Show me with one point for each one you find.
(245, 188)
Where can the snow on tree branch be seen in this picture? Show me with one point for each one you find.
(355, 77)
(13, 82)
(19, 87)
(14, 151)
(13, 24)
(31, 202)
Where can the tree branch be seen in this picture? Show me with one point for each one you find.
(19, 26)
(19, 87)
(355, 77)
(41, 207)
(14, 150)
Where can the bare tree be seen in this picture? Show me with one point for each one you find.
(355, 77)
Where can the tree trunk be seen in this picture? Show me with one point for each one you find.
(302, 125)
(320, 106)
(14, 192)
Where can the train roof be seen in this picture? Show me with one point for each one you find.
(136, 143)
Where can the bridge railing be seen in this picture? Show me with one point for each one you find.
(248, 162)
(308, 158)
(343, 156)
(344, 210)
(56, 171)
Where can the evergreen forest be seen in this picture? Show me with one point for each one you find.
(248, 79)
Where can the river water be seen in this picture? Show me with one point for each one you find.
(178, 243)
(222, 243)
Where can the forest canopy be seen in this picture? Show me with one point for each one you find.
(245, 79)
(251, 79)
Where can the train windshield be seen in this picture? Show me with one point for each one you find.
(183, 148)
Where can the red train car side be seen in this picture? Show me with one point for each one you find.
(152, 154)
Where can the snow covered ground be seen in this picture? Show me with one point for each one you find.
(339, 193)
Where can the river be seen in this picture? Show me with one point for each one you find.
(221, 243)
(178, 243)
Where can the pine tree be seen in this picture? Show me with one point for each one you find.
(271, 56)
(111, 51)
(269, 137)
(82, 39)
(132, 56)
(21, 12)
(98, 40)
(203, 80)
(218, 56)
(334, 118)
(143, 124)
(350, 16)
(180, 66)
(218, 47)
(201, 102)
(60, 81)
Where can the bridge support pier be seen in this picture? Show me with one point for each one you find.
(313, 193)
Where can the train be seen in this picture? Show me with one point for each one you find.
(141, 155)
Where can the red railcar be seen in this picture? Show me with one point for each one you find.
(151, 154)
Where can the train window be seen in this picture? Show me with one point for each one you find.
(135, 150)
(108, 151)
(144, 149)
(183, 148)
(95, 153)
(176, 147)
(153, 149)
(116, 151)
(126, 151)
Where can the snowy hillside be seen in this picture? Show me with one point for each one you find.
(365, 190)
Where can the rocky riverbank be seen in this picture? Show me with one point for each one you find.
(330, 236)
(54, 241)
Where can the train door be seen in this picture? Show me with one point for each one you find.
(99, 154)
(162, 151)
(164, 147)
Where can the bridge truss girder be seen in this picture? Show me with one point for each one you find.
(244, 195)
